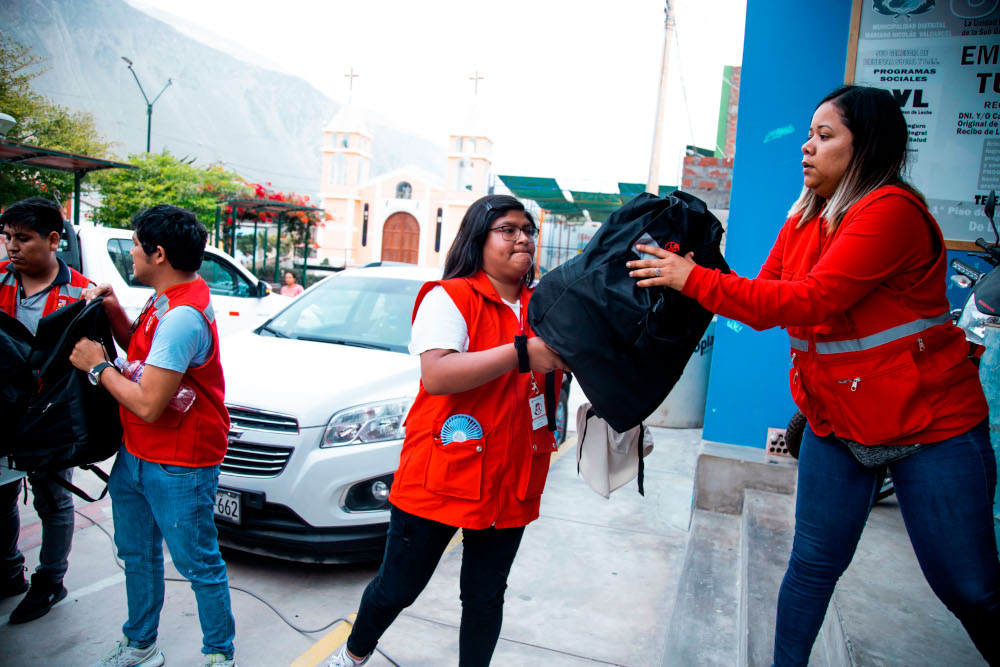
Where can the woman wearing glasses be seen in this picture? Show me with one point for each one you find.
(477, 445)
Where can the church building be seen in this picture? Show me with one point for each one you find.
(405, 215)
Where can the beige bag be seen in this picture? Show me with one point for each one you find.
(609, 460)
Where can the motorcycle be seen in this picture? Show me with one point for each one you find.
(981, 309)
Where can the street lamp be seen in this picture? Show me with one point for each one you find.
(6, 123)
(149, 105)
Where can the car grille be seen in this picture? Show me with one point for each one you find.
(253, 460)
(260, 420)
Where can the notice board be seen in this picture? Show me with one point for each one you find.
(941, 61)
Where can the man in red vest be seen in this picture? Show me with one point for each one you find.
(34, 283)
(165, 476)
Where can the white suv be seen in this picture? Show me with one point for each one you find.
(239, 299)
(317, 397)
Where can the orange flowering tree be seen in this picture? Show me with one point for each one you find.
(293, 223)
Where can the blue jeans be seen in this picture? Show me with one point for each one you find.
(54, 506)
(153, 503)
(945, 495)
(412, 552)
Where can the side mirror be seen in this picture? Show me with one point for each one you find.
(263, 289)
(991, 204)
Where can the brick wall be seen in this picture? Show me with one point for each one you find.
(734, 102)
(709, 178)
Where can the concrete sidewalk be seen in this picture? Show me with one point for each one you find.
(625, 581)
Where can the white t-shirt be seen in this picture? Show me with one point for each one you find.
(439, 324)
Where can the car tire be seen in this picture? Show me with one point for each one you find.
(793, 433)
(562, 415)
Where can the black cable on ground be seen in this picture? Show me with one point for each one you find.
(287, 622)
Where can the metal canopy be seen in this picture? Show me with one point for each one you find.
(631, 190)
(268, 206)
(26, 155)
(549, 196)
(12, 152)
(545, 191)
(598, 204)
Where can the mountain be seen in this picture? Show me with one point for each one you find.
(265, 125)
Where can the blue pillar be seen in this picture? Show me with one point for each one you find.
(989, 373)
(779, 88)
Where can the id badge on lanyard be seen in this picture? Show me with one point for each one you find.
(536, 399)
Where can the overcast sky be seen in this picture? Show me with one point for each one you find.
(570, 85)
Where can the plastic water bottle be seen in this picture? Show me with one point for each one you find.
(181, 401)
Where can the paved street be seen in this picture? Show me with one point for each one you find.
(593, 583)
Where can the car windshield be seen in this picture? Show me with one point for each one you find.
(351, 310)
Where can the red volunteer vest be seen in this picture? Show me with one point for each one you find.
(498, 477)
(892, 370)
(67, 289)
(196, 437)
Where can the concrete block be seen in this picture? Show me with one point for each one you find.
(724, 472)
(704, 623)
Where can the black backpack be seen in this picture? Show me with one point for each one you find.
(626, 345)
(61, 420)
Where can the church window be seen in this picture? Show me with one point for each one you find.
(464, 175)
(404, 190)
(338, 169)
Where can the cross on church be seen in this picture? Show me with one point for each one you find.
(351, 77)
(477, 79)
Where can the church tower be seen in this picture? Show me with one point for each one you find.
(470, 158)
(347, 156)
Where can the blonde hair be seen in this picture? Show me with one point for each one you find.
(879, 137)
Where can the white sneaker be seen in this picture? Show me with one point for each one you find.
(124, 655)
(344, 660)
(218, 660)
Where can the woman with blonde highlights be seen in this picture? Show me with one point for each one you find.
(857, 277)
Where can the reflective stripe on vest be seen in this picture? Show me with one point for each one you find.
(873, 341)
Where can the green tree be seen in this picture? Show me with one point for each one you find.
(40, 123)
(164, 179)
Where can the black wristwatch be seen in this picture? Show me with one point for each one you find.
(523, 361)
(94, 374)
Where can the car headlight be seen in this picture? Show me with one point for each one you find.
(371, 422)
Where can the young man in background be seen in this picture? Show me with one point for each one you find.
(33, 284)
(165, 476)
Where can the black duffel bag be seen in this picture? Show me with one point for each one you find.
(62, 419)
(627, 345)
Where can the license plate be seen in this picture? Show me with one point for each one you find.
(227, 505)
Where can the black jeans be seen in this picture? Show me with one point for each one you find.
(414, 547)
(54, 506)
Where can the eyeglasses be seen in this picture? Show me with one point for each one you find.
(142, 313)
(513, 232)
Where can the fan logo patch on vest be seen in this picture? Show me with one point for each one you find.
(459, 428)
(672, 246)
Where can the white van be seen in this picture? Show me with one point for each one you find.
(241, 301)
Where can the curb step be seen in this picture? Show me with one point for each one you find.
(703, 627)
(768, 527)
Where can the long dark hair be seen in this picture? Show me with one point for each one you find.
(465, 256)
(879, 137)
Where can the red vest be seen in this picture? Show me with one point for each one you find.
(892, 369)
(66, 289)
(493, 479)
(196, 437)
